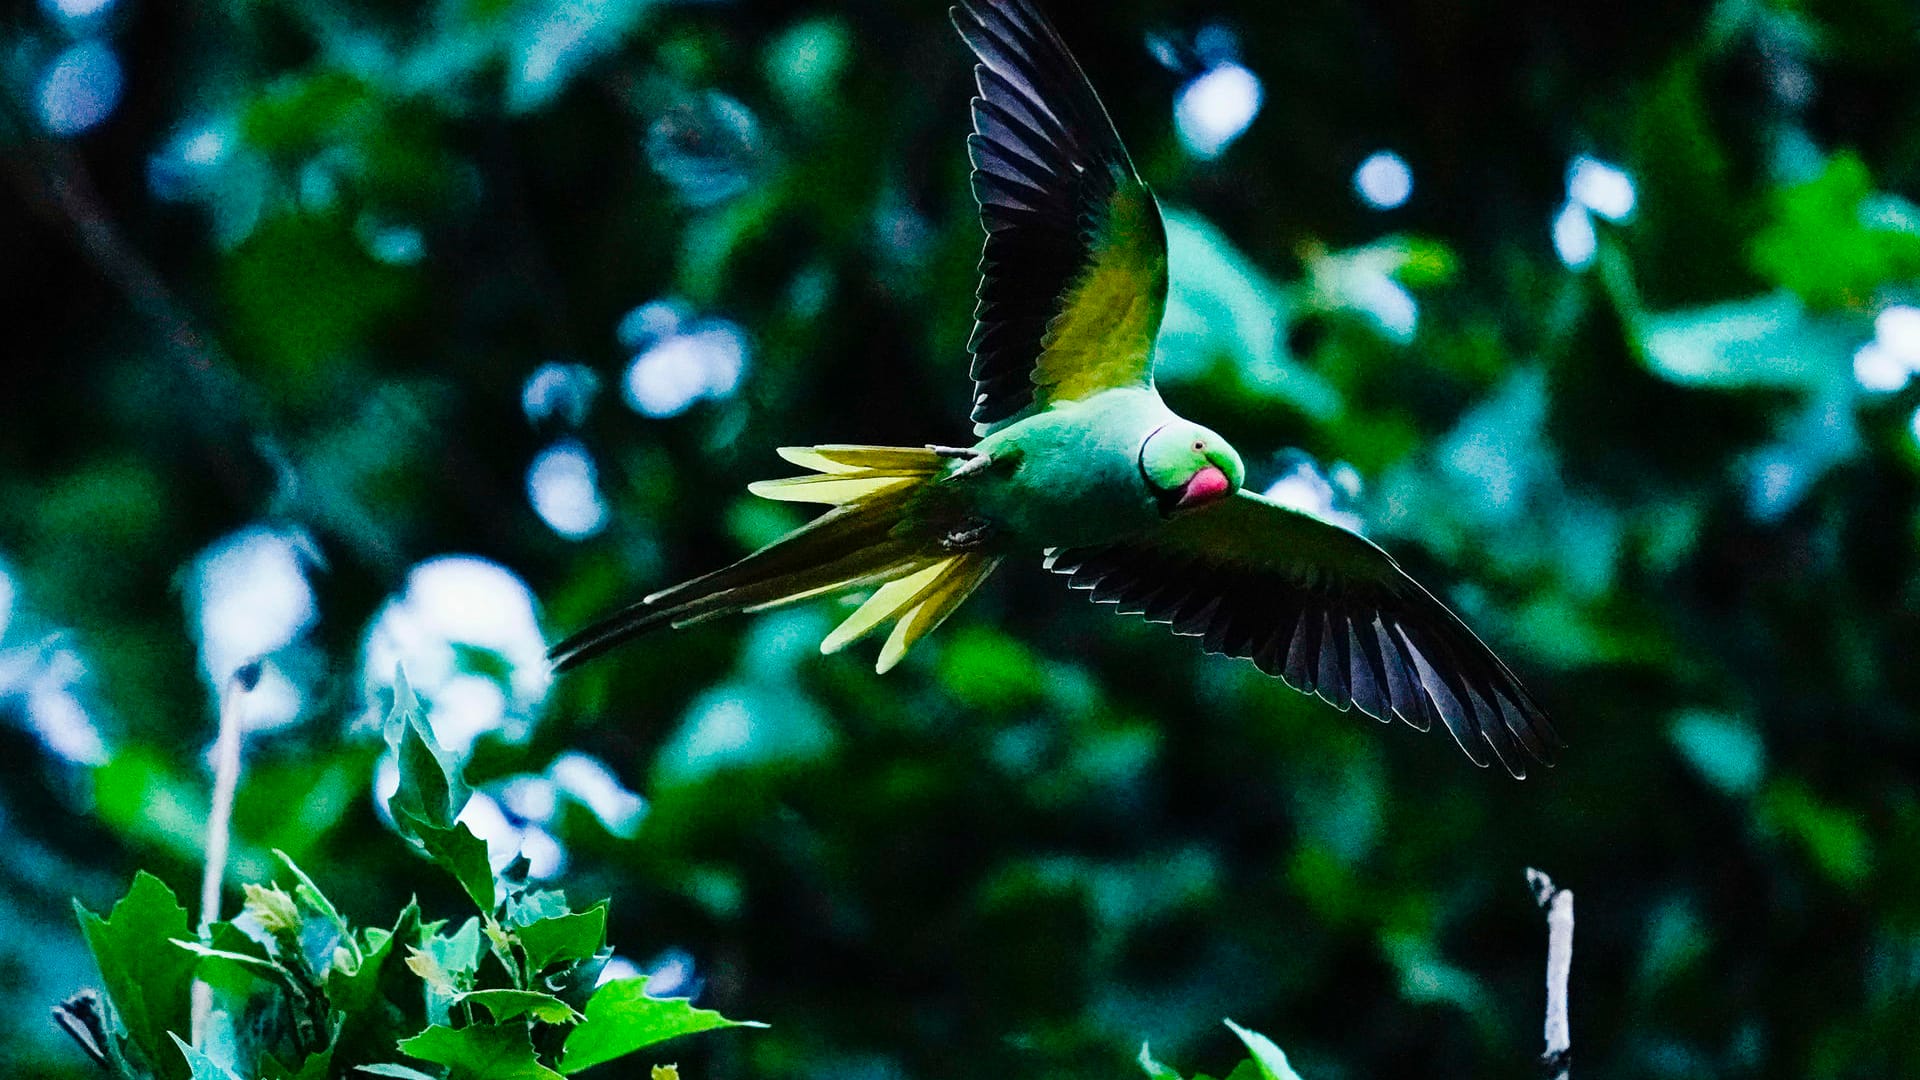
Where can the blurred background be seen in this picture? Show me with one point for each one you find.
(351, 333)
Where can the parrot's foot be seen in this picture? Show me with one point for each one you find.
(970, 533)
(971, 461)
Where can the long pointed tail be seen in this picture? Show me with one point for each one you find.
(867, 539)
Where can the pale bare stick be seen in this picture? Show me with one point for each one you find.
(226, 781)
(1557, 1061)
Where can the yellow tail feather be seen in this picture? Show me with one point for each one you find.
(933, 604)
(868, 539)
(918, 601)
(886, 602)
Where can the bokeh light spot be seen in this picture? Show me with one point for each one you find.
(1383, 180)
(80, 88)
(1877, 369)
(1602, 188)
(1216, 108)
(564, 486)
(76, 9)
(681, 368)
(1574, 239)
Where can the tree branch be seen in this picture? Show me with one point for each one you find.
(1557, 1061)
(226, 782)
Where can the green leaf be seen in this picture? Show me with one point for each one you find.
(1153, 1068)
(148, 980)
(505, 1005)
(264, 969)
(459, 952)
(464, 855)
(622, 1019)
(1827, 242)
(1725, 750)
(480, 1052)
(431, 790)
(1267, 1058)
(564, 937)
(318, 1066)
(446, 963)
(430, 797)
(200, 1066)
(400, 1072)
(396, 1071)
(1765, 341)
(1832, 836)
(379, 1001)
(531, 907)
(310, 895)
(353, 991)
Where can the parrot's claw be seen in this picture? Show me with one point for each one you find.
(969, 534)
(971, 461)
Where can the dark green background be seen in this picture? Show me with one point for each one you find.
(1051, 834)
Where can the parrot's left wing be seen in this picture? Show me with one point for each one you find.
(1073, 281)
(1324, 609)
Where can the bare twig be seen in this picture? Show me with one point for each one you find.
(226, 782)
(1557, 1061)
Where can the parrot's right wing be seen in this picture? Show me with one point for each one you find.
(1074, 278)
(1324, 609)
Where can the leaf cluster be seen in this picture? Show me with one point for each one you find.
(294, 991)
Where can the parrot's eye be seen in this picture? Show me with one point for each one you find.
(1198, 445)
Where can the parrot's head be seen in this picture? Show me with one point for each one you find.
(1187, 465)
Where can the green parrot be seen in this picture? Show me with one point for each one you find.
(1077, 456)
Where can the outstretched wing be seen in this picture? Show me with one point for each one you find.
(1074, 278)
(1323, 609)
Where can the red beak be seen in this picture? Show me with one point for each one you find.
(1205, 486)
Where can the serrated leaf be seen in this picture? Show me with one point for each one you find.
(480, 1052)
(1268, 1059)
(564, 937)
(458, 952)
(147, 979)
(446, 963)
(621, 1018)
(504, 1005)
(431, 791)
(531, 907)
(463, 855)
(666, 1072)
(199, 1065)
(379, 1001)
(431, 795)
(352, 991)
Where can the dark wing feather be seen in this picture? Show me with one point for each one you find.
(1325, 610)
(1073, 279)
